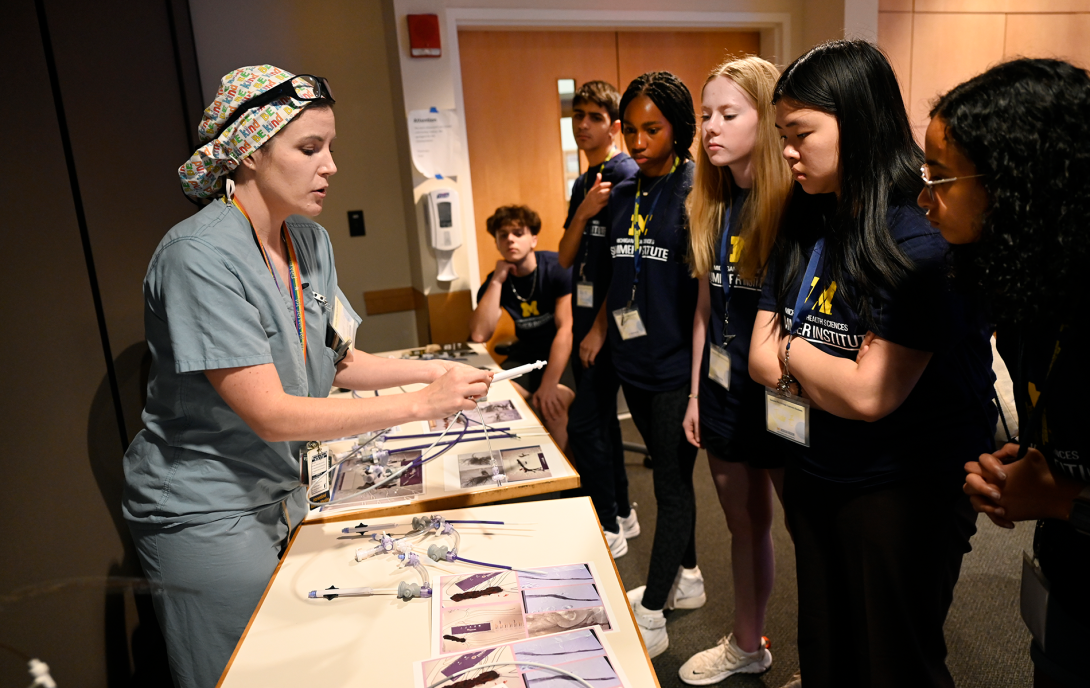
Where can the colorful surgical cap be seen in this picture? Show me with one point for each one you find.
(202, 175)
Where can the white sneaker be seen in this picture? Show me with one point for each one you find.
(618, 545)
(726, 658)
(686, 593)
(652, 629)
(629, 526)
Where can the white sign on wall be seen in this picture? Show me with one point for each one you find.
(433, 142)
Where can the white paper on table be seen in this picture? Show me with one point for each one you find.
(433, 142)
(585, 652)
(529, 603)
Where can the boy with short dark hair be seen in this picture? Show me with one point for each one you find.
(594, 433)
(536, 291)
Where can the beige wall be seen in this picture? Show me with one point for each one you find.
(345, 41)
(936, 44)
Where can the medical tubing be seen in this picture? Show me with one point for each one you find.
(536, 665)
(404, 468)
(458, 557)
(505, 430)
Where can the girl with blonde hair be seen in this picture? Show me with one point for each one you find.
(739, 192)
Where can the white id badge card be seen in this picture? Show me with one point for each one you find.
(343, 322)
(316, 463)
(584, 294)
(787, 416)
(719, 366)
(629, 323)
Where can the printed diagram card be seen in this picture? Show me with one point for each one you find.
(492, 412)
(475, 610)
(517, 464)
(583, 652)
(349, 479)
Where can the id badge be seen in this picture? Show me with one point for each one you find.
(787, 416)
(719, 366)
(315, 468)
(584, 294)
(629, 323)
(341, 330)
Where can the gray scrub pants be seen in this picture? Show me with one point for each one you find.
(209, 579)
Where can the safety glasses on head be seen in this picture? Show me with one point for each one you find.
(302, 87)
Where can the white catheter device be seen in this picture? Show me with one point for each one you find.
(516, 372)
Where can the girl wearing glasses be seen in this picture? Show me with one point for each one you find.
(1009, 154)
(878, 372)
(739, 191)
(248, 332)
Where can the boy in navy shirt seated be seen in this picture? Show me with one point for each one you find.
(594, 433)
(536, 292)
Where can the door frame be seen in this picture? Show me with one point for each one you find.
(774, 27)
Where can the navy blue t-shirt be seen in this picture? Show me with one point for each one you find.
(592, 261)
(666, 297)
(948, 417)
(727, 413)
(531, 302)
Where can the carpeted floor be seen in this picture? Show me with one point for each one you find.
(989, 645)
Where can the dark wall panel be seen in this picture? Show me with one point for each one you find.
(129, 88)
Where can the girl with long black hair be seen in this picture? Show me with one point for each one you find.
(651, 300)
(1008, 157)
(878, 371)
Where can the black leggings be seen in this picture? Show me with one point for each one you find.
(658, 417)
(876, 572)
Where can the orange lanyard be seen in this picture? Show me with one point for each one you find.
(293, 275)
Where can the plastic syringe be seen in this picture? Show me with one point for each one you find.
(515, 372)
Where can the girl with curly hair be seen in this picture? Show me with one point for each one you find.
(878, 371)
(1007, 165)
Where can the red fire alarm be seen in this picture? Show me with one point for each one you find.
(424, 35)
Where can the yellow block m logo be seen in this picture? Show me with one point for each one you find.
(736, 245)
(529, 309)
(825, 299)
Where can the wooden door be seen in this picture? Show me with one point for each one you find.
(512, 109)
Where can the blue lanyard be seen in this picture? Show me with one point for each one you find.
(723, 277)
(807, 287)
(639, 230)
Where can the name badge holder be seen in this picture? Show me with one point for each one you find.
(584, 290)
(788, 415)
(628, 319)
(718, 357)
(316, 471)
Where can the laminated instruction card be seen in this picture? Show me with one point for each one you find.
(474, 610)
(583, 652)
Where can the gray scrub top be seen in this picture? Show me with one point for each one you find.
(210, 302)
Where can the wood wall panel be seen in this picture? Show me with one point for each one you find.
(894, 5)
(947, 49)
(895, 38)
(1066, 36)
(1003, 6)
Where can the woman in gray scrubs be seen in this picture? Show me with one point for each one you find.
(248, 332)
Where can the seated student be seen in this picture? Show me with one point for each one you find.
(532, 287)
(593, 429)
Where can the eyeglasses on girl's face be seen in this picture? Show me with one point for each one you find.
(932, 183)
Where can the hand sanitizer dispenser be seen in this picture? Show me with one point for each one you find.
(443, 217)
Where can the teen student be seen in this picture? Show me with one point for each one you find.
(650, 306)
(536, 292)
(739, 191)
(594, 433)
(879, 373)
(1007, 159)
